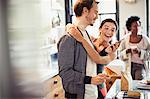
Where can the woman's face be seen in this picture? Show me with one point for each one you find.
(107, 31)
(134, 27)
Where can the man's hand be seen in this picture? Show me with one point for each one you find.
(99, 79)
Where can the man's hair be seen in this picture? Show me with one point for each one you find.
(80, 4)
(109, 20)
(130, 20)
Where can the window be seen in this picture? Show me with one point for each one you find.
(109, 9)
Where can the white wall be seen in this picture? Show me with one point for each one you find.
(135, 9)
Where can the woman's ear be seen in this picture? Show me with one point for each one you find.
(85, 10)
(100, 31)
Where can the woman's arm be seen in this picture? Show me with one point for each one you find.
(144, 52)
(95, 55)
(123, 50)
(98, 45)
(93, 38)
(91, 51)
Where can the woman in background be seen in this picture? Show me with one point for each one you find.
(137, 45)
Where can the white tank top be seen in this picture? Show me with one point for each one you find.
(135, 57)
(91, 91)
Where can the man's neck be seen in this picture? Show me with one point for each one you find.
(80, 23)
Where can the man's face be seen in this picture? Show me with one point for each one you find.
(107, 31)
(92, 14)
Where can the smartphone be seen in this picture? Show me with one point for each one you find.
(116, 44)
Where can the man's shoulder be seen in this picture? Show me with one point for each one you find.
(66, 39)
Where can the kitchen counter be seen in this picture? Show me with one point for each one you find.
(47, 74)
(116, 88)
(31, 83)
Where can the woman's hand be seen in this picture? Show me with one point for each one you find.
(73, 31)
(112, 48)
(69, 26)
(100, 48)
(128, 50)
(109, 49)
(117, 44)
(99, 44)
(135, 51)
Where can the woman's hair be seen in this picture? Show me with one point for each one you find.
(109, 20)
(130, 20)
(80, 4)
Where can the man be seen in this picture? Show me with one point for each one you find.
(77, 70)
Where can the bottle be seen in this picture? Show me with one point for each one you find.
(126, 81)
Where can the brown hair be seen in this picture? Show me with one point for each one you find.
(109, 20)
(80, 4)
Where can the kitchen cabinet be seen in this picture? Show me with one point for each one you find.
(53, 88)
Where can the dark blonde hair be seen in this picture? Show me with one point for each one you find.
(80, 4)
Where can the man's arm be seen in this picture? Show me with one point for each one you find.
(69, 76)
(66, 62)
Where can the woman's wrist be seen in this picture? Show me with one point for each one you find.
(82, 40)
